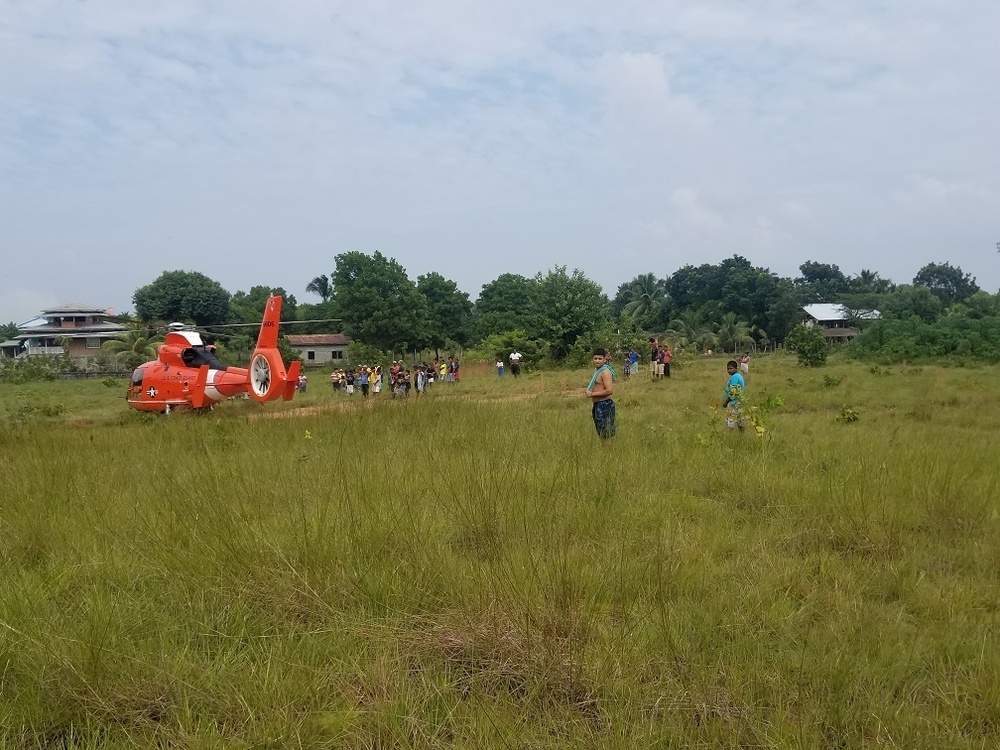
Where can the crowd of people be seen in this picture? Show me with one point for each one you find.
(399, 379)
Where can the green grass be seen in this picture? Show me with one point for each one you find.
(476, 570)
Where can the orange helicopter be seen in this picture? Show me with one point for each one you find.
(187, 374)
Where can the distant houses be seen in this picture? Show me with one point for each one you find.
(318, 349)
(74, 330)
(839, 323)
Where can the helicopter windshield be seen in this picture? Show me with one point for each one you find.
(197, 356)
(137, 376)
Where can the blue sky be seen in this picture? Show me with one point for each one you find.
(253, 141)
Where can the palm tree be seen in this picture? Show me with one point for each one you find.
(689, 329)
(870, 281)
(321, 286)
(136, 345)
(645, 296)
(732, 332)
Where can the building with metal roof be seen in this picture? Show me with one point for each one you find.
(838, 322)
(75, 330)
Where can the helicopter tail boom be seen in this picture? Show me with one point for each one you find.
(268, 379)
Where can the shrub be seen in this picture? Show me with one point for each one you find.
(808, 344)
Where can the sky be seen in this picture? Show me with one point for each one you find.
(253, 141)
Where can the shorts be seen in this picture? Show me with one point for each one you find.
(604, 418)
(745, 369)
(734, 417)
(652, 368)
(659, 369)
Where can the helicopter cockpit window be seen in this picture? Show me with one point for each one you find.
(137, 376)
(201, 355)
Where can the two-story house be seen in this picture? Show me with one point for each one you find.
(75, 330)
(837, 320)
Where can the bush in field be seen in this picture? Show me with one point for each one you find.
(500, 345)
(30, 369)
(808, 344)
(911, 338)
(364, 354)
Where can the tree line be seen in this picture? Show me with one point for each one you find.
(559, 314)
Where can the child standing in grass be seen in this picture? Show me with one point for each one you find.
(599, 392)
(734, 397)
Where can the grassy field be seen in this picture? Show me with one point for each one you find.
(475, 570)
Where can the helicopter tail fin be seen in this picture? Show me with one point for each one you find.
(268, 338)
(267, 375)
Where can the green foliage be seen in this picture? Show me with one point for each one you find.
(643, 301)
(288, 354)
(899, 340)
(133, 347)
(733, 333)
(8, 331)
(808, 344)
(449, 311)
(363, 354)
(321, 286)
(565, 307)
(322, 311)
(821, 282)
(182, 296)
(500, 345)
(248, 307)
(947, 282)
(909, 301)
(691, 330)
(35, 369)
(378, 302)
(504, 304)
(847, 415)
(832, 381)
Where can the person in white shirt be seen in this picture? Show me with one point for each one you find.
(515, 363)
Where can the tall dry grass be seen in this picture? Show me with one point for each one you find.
(474, 569)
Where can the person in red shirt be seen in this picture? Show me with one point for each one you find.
(666, 355)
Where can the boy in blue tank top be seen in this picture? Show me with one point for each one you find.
(734, 397)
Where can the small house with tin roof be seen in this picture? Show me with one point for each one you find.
(839, 323)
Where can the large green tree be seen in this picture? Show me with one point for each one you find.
(566, 306)
(248, 307)
(449, 311)
(947, 282)
(182, 296)
(504, 304)
(821, 282)
(909, 301)
(8, 331)
(379, 304)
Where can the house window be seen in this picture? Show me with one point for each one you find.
(336, 354)
(93, 342)
(310, 355)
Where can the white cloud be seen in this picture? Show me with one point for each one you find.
(477, 138)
